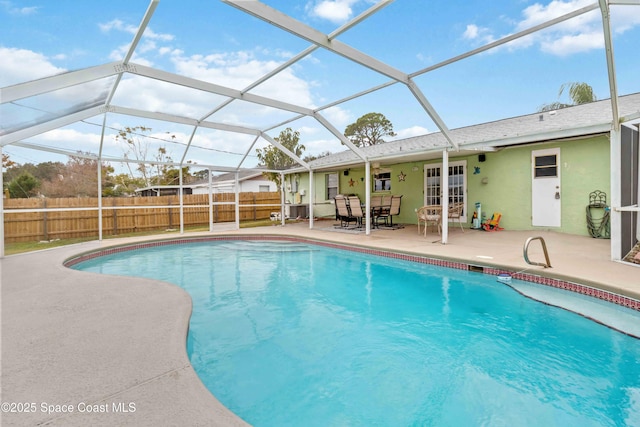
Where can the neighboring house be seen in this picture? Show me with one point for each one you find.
(537, 170)
(250, 181)
(163, 190)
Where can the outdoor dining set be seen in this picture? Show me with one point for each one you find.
(350, 209)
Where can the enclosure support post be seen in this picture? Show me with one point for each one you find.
(367, 196)
(180, 192)
(237, 190)
(282, 218)
(616, 200)
(444, 218)
(310, 198)
(210, 201)
(638, 189)
(104, 122)
(1, 208)
(99, 199)
(45, 233)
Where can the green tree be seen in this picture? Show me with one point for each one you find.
(23, 186)
(579, 93)
(369, 129)
(272, 158)
(312, 157)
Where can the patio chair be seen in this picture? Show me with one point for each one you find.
(378, 209)
(342, 212)
(455, 213)
(429, 215)
(493, 223)
(388, 213)
(355, 207)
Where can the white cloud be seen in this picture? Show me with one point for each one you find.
(471, 32)
(624, 18)
(409, 132)
(13, 10)
(338, 116)
(569, 44)
(579, 34)
(117, 25)
(538, 13)
(337, 11)
(21, 65)
(319, 146)
(240, 69)
(482, 35)
(150, 34)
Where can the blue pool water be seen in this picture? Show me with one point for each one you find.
(296, 334)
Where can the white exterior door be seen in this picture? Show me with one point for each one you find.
(545, 188)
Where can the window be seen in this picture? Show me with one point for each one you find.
(546, 166)
(264, 189)
(382, 181)
(331, 185)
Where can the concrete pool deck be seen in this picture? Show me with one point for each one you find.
(82, 341)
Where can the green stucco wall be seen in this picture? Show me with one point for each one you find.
(584, 163)
(584, 167)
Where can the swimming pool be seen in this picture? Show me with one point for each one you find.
(286, 333)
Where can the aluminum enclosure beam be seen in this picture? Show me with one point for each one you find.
(183, 120)
(216, 89)
(143, 26)
(57, 82)
(280, 20)
(324, 122)
(286, 151)
(50, 125)
(611, 69)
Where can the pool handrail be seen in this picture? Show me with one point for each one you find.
(525, 252)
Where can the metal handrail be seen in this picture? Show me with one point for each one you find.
(525, 252)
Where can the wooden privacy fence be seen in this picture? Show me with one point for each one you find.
(47, 219)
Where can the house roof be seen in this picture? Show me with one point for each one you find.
(570, 122)
(243, 175)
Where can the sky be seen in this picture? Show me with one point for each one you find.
(218, 43)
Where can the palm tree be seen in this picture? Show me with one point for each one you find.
(580, 93)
